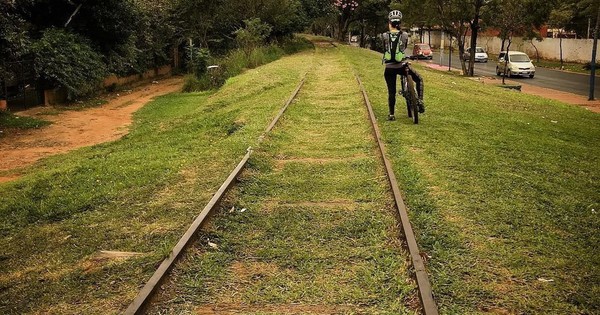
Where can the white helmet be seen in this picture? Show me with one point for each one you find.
(395, 15)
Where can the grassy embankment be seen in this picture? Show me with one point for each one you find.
(312, 229)
(503, 191)
(238, 60)
(502, 188)
(137, 194)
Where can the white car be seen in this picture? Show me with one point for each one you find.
(480, 54)
(519, 64)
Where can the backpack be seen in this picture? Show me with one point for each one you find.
(392, 51)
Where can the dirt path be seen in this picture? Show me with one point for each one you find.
(74, 129)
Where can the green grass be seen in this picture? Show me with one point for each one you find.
(239, 60)
(319, 229)
(137, 194)
(11, 121)
(568, 66)
(503, 191)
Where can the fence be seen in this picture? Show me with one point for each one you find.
(22, 90)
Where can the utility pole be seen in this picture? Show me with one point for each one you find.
(593, 62)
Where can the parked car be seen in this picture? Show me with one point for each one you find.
(480, 54)
(519, 64)
(422, 51)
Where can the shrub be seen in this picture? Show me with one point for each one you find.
(253, 35)
(65, 59)
(238, 60)
(197, 60)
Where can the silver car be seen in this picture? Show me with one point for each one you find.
(480, 54)
(516, 64)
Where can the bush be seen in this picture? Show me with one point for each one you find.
(238, 60)
(296, 44)
(253, 35)
(197, 60)
(65, 59)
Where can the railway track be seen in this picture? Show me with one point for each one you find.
(341, 208)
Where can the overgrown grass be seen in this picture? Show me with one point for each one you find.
(238, 60)
(136, 194)
(9, 120)
(319, 229)
(503, 192)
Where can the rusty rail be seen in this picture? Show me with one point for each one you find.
(425, 292)
(145, 294)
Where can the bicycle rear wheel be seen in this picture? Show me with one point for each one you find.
(412, 100)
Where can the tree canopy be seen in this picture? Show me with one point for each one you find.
(130, 36)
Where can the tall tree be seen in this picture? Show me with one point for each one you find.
(346, 10)
(474, 24)
(593, 61)
(559, 18)
(455, 17)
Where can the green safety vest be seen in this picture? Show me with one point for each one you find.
(392, 51)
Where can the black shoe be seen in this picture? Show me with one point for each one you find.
(391, 117)
(421, 106)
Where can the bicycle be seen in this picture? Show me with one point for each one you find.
(409, 92)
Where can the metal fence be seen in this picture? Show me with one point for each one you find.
(23, 89)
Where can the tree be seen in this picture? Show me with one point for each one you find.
(584, 14)
(559, 18)
(520, 17)
(475, 25)
(156, 35)
(455, 17)
(371, 18)
(253, 34)
(346, 14)
(593, 61)
(531, 36)
(68, 60)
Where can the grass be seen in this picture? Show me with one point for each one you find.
(319, 229)
(239, 60)
(568, 66)
(503, 192)
(502, 189)
(10, 121)
(136, 194)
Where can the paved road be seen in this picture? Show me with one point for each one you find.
(547, 78)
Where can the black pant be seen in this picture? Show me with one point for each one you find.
(390, 76)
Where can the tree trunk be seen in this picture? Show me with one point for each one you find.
(561, 54)
(506, 61)
(537, 53)
(593, 61)
(361, 43)
(474, 30)
(461, 52)
(429, 35)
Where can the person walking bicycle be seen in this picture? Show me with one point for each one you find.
(395, 43)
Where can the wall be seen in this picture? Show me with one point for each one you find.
(574, 50)
(59, 96)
